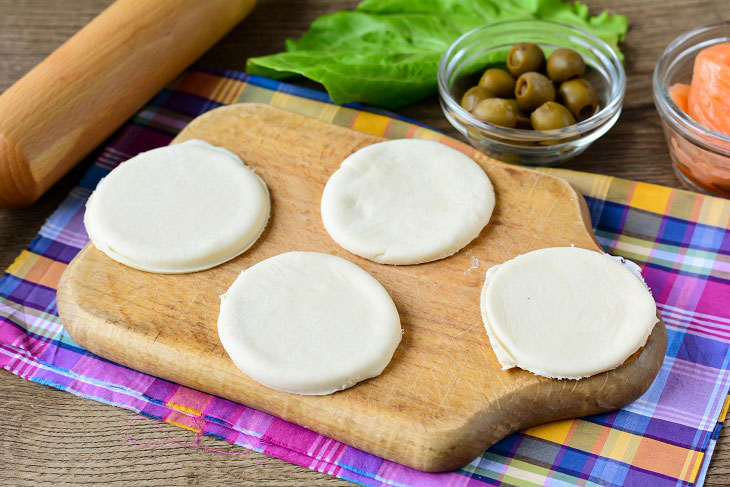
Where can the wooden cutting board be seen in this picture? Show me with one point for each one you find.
(444, 398)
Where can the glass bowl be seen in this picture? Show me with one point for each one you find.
(700, 157)
(471, 53)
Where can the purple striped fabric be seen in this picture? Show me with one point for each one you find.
(664, 438)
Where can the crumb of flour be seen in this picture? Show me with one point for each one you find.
(474, 262)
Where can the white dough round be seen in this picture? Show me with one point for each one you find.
(566, 312)
(406, 202)
(181, 208)
(308, 323)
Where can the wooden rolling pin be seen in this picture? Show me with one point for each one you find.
(68, 104)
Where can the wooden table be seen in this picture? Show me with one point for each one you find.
(50, 437)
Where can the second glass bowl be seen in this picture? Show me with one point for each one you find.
(700, 156)
(470, 54)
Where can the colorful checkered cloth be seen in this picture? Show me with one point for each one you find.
(681, 240)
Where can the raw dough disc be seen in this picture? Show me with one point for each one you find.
(180, 208)
(566, 312)
(308, 323)
(406, 202)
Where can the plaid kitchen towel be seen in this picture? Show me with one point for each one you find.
(681, 240)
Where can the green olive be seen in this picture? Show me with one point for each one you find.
(523, 121)
(580, 98)
(473, 96)
(564, 64)
(499, 82)
(497, 111)
(551, 115)
(532, 90)
(525, 57)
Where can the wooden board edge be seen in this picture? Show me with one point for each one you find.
(438, 451)
(636, 376)
(66, 300)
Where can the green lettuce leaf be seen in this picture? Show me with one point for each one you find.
(386, 52)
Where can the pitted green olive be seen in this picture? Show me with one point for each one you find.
(497, 111)
(499, 82)
(525, 57)
(551, 115)
(580, 98)
(564, 64)
(532, 90)
(473, 96)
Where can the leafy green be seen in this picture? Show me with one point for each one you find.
(386, 52)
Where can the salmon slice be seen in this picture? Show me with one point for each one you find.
(709, 95)
(679, 93)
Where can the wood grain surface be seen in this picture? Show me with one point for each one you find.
(443, 399)
(54, 438)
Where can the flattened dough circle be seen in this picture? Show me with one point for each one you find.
(566, 312)
(406, 202)
(308, 323)
(181, 208)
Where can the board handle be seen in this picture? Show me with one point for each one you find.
(75, 98)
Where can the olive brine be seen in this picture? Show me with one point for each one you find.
(533, 93)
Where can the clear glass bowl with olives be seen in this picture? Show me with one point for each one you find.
(531, 92)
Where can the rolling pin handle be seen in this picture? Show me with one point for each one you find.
(110, 69)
